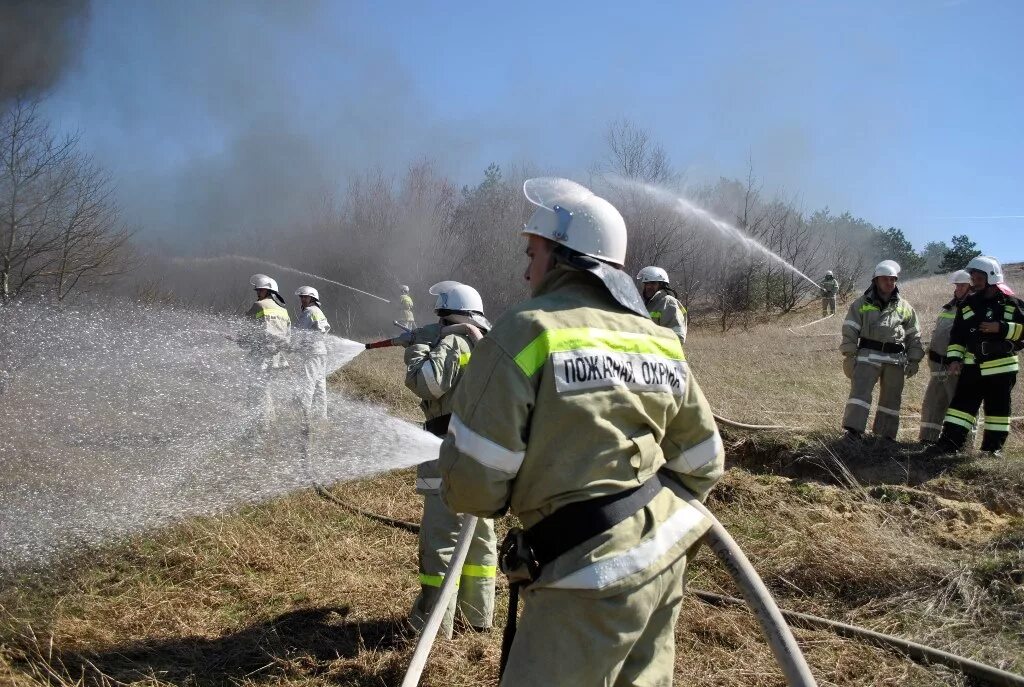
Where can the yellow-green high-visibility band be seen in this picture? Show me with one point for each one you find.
(433, 580)
(995, 427)
(479, 570)
(957, 421)
(968, 312)
(273, 312)
(532, 358)
(867, 307)
(999, 366)
(655, 314)
(464, 359)
(947, 315)
(1014, 331)
(959, 414)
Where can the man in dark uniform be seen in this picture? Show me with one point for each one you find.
(987, 334)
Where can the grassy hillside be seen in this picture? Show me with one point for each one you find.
(299, 592)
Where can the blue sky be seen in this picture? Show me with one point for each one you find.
(221, 112)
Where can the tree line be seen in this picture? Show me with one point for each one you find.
(61, 235)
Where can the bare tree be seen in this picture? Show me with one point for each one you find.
(59, 225)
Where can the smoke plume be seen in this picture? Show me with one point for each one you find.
(38, 40)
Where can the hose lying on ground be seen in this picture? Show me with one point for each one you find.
(918, 652)
(743, 425)
(437, 613)
(810, 323)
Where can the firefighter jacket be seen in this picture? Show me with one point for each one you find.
(995, 353)
(266, 334)
(869, 321)
(666, 310)
(406, 302)
(431, 372)
(569, 398)
(829, 287)
(310, 330)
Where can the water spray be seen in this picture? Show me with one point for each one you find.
(682, 205)
(260, 261)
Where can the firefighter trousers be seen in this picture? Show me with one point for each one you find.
(439, 531)
(828, 306)
(941, 387)
(890, 380)
(973, 391)
(588, 637)
(312, 391)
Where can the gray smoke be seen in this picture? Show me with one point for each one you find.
(38, 41)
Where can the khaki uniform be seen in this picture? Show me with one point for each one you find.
(870, 322)
(941, 385)
(570, 398)
(829, 289)
(310, 330)
(406, 316)
(265, 336)
(432, 372)
(666, 310)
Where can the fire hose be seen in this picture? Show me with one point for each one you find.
(756, 595)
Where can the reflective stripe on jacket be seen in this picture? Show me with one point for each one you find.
(894, 322)
(666, 310)
(570, 398)
(266, 333)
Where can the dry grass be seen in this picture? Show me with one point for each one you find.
(300, 593)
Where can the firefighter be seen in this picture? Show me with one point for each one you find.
(311, 329)
(989, 327)
(406, 317)
(265, 336)
(941, 385)
(881, 344)
(575, 409)
(662, 302)
(436, 360)
(829, 289)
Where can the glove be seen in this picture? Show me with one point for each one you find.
(849, 362)
(464, 328)
(912, 368)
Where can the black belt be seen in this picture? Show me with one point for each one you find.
(986, 348)
(524, 553)
(438, 426)
(936, 358)
(881, 346)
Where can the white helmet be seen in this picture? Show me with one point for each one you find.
(652, 273)
(453, 295)
(829, 274)
(405, 289)
(308, 291)
(887, 268)
(571, 215)
(262, 281)
(989, 265)
(960, 277)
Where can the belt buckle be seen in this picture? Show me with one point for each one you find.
(516, 558)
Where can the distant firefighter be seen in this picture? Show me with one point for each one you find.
(942, 385)
(662, 301)
(881, 344)
(265, 336)
(989, 327)
(435, 362)
(310, 332)
(406, 317)
(829, 289)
